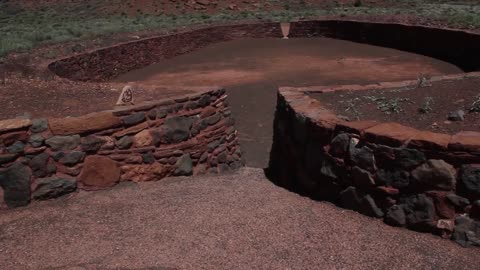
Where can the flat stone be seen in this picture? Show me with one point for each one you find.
(16, 148)
(14, 124)
(83, 124)
(391, 134)
(39, 125)
(131, 130)
(53, 187)
(133, 119)
(430, 140)
(99, 172)
(15, 181)
(72, 158)
(7, 158)
(12, 137)
(458, 201)
(184, 166)
(434, 175)
(355, 127)
(63, 143)
(465, 141)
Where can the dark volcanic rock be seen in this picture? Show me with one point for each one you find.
(184, 166)
(39, 165)
(39, 125)
(419, 211)
(369, 207)
(406, 158)
(363, 158)
(470, 181)
(362, 178)
(16, 148)
(134, 118)
(72, 158)
(466, 232)
(458, 201)
(350, 198)
(395, 216)
(15, 181)
(36, 140)
(49, 188)
(91, 144)
(62, 143)
(177, 129)
(339, 145)
(433, 175)
(398, 179)
(124, 143)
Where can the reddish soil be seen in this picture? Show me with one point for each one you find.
(239, 221)
(425, 108)
(253, 69)
(61, 98)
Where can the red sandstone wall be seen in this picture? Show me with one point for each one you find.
(47, 158)
(419, 180)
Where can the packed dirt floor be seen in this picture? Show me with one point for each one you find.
(252, 69)
(425, 108)
(239, 221)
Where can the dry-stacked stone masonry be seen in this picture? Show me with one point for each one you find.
(47, 158)
(416, 179)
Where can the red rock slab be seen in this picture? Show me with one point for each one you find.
(83, 124)
(99, 172)
(468, 141)
(14, 124)
(356, 127)
(391, 133)
(430, 140)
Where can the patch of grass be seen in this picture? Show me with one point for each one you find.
(475, 107)
(427, 106)
(22, 29)
(351, 107)
(388, 106)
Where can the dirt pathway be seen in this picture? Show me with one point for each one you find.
(239, 221)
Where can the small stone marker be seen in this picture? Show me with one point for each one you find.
(126, 97)
(285, 29)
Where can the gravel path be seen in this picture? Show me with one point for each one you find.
(239, 221)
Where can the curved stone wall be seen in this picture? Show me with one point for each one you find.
(457, 47)
(47, 158)
(410, 178)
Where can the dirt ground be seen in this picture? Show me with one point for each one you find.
(252, 70)
(239, 221)
(425, 108)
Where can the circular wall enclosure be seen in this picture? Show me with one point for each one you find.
(257, 99)
(421, 180)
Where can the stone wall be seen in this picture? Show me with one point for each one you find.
(416, 179)
(47, 158)
(457, 47)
